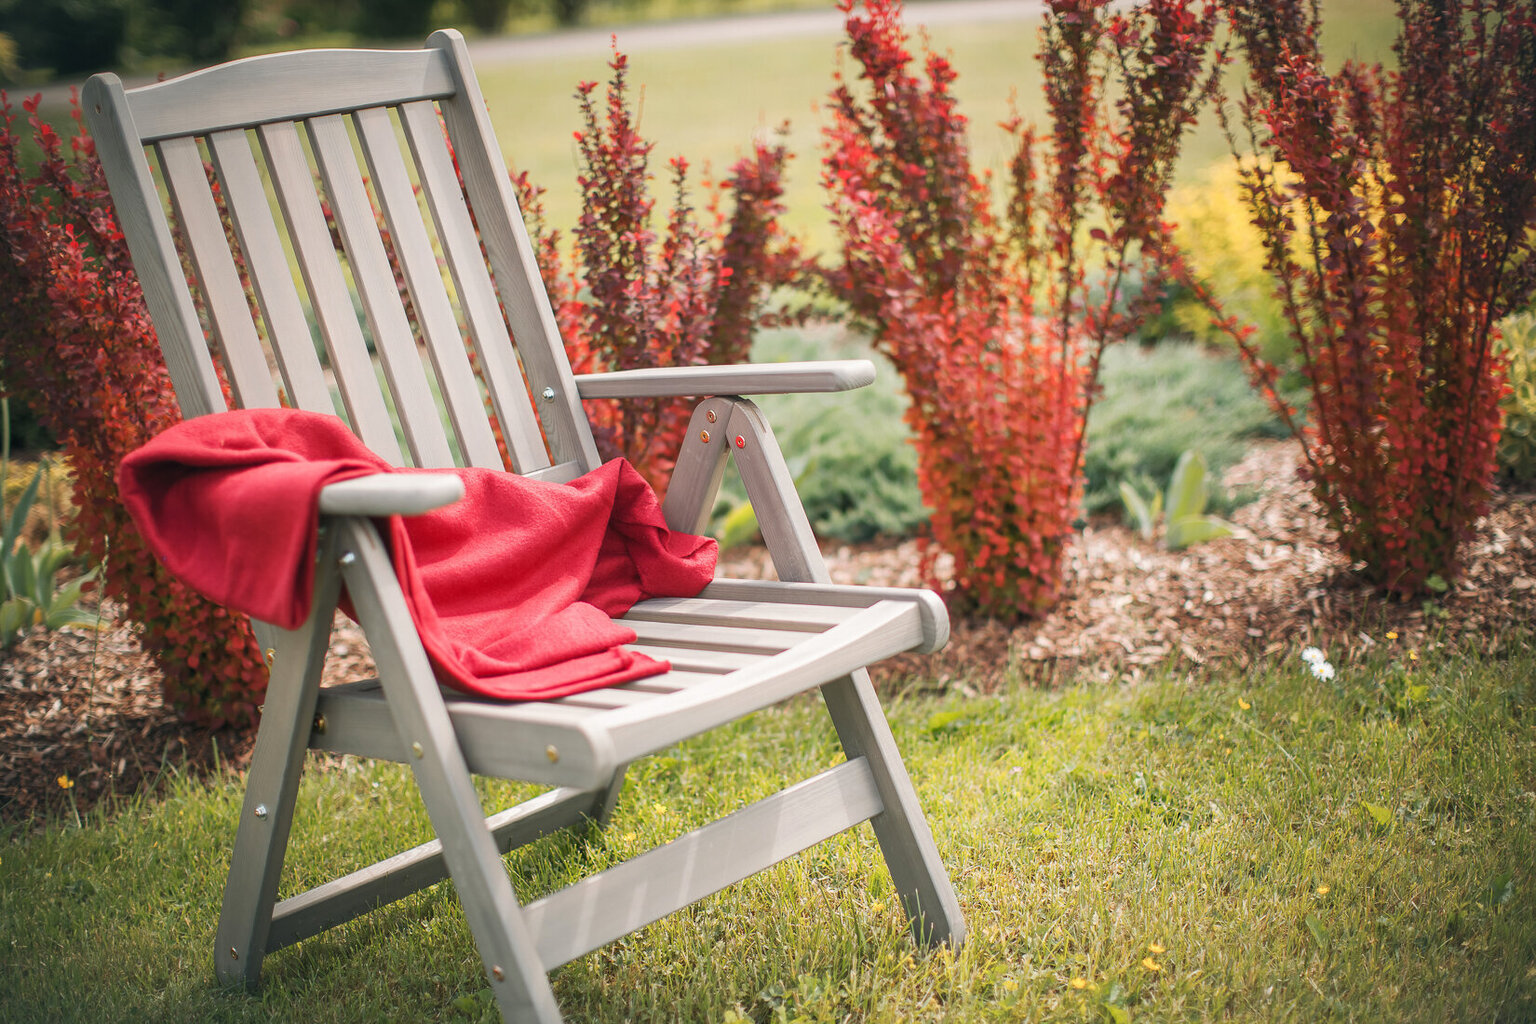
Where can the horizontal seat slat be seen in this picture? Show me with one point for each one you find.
(688, 660)
(696, 636)
(751, 614)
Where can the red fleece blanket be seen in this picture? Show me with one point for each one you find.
(511, 588)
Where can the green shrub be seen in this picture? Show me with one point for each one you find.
(854, 465)
(1159, 403)
(1517, 444)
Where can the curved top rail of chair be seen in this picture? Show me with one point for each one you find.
(278, 87)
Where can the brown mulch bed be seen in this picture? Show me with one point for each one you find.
(85, 707)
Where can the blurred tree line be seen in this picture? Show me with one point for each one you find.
(43, 38)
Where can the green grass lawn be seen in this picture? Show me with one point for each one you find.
(706, 103)
(1243, 847)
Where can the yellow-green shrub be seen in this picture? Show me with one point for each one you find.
(1517, 445)
(1214, 229)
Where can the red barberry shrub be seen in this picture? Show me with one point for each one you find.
(996, 322)
(1397, 210)
(78, 349)
(631, 298)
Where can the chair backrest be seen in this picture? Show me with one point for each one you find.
(369, 137)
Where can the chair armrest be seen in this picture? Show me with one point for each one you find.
(747, 379)
(391, 494)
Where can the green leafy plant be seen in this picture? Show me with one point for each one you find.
(29, 591)
(1158, 403)
(1185, 521)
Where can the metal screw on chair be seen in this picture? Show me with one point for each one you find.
(710, 415)
(498, 973)
(416, 749)
(347, 558)
(269, 656)
(548, 394)
(741, 442)
(234, 954)
(261, 810)
(551, 753)
(320, 725)
(704, 436)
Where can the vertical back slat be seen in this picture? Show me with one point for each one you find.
(434, 311)
(477, 295)
(328, 292)
(271, 277)
(375, 279)
(512, 260)
(223, 294)
(142, 218)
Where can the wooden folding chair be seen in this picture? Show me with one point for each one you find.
(283, 134)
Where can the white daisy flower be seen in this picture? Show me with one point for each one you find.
(1322, 670)
(1312, 656)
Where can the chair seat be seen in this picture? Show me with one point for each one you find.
(741, 645)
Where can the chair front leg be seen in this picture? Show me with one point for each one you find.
(902, 830)
(272, 783)
(507, 950)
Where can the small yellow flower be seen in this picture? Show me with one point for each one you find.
(1079, 983)
(1413, 655)
(659, 808)
(1156, 948)
(629, 837)
(65, 782)
(1391, 634)
(1010, 985)
(1151, 965)
(1322, 890)
(1243, 704)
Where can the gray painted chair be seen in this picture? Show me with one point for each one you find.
(284, 133)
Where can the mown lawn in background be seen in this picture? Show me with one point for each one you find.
(706, 102)
(1245, 847)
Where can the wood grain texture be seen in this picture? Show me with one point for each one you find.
(518, 283)
(472, 281)
(271, 277)
(434, 311)
(218, 281)
(136, 202)
(375, 282)
(294, 184)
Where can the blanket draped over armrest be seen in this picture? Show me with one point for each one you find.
(511, 588)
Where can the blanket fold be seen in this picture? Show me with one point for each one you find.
(511, 588)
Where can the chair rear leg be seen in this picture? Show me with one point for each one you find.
(604, 800)
(905, 839)
(272, 783)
